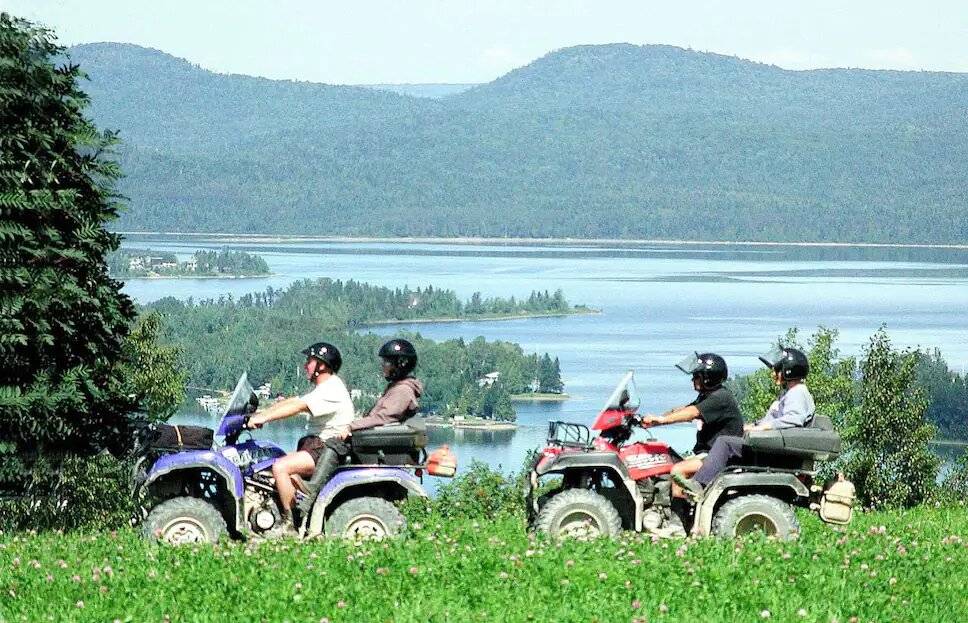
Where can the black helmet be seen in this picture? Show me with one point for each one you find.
(327, 353)
(402, 355)
(709, 367)
(791, 363)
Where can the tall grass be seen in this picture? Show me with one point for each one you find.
(888, 566)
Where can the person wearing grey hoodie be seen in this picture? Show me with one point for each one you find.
(399, 403)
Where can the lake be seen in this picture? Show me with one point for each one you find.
(658, 302)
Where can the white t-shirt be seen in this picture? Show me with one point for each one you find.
(330, 408)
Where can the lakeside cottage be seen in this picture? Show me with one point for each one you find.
(211, 404)
(488, 379)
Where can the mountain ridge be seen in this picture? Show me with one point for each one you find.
(590, 141)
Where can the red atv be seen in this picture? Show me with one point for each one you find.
(598, 487)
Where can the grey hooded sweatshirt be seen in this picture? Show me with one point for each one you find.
(397, 404)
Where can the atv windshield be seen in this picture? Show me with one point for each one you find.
(242, 402)
(773, 357)
(690, 364)
(625, 397)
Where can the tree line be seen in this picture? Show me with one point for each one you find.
(353, 303)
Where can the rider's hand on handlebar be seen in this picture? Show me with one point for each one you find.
(650, 420)
(254, 422)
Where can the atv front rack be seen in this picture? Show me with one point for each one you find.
(569, 435)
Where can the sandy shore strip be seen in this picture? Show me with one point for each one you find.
(468, 424)
(540, 397)
(380, 323)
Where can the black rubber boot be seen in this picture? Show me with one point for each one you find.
(682, 509)
(327, 464)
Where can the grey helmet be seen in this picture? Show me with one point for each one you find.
(791, 363)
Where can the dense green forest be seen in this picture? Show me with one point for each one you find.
(947, 394)
(262, 333)
(133, 263)
(591, 141)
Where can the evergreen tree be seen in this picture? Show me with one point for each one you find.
(64, 321)
(549, 375)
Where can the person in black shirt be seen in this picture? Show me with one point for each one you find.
(715, 407)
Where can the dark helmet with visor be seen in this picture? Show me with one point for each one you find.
(710, 368)
(791, 363)
(403, 357)
(327, 353)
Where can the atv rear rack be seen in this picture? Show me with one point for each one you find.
(569, 435)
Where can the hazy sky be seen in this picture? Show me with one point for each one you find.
(376, 41)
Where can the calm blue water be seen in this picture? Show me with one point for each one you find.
(658, 303)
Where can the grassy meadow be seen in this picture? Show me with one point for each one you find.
(888, 566)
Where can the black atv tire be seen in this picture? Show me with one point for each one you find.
(184, 520)
(366, 518)
(751, 513)
(579, 514)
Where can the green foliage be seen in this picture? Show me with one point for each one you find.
(682, 144)
(152, 369)
(476, 493)
(64, 320)
(887, 566)
(72, 370)
(491, 402)
(947, 394)
(954, 488)
(887, 437)
(228, 262)
(71, 492)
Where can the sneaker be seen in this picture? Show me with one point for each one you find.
(689, 486)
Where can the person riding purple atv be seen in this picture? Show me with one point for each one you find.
(197, 491)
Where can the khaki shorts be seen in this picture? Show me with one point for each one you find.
(311, 444)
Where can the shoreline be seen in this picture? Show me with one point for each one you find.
(161, 277)
(540, 397)
(955, 443)
(473, 424)
(380, 323)
(472, 240)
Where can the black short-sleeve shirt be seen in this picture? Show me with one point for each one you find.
(720, 416)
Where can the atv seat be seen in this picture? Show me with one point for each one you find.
(794, 448)
(390, 444)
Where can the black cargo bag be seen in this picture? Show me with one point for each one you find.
(170, 438)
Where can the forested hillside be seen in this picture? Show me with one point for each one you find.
(592, 141)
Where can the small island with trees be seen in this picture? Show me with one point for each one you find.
(148, 264)
(467, 380)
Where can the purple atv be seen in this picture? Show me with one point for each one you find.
(198, 495)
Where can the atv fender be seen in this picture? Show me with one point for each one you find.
(742, 480)
(581, 461)
(360, 478)
(212, 461)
